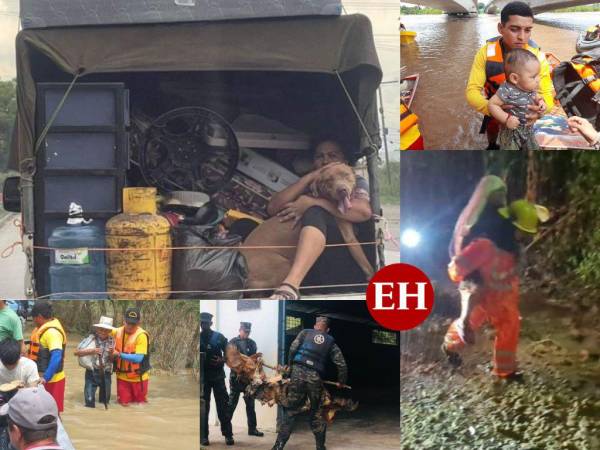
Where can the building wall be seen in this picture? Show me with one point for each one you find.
(264, 331)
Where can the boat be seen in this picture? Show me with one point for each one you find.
(552, 60)
(407, 37)
(588, 39)
(408, 89)
(410, 133)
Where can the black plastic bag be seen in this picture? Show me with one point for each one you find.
(207, 273)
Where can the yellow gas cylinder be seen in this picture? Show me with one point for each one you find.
(143, 274)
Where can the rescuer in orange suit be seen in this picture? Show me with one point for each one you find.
(494, 259)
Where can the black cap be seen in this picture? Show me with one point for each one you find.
(206, 317)
(132, 315)
(247, 326)
(42, 308)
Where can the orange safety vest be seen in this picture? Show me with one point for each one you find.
(40, 354)
(494, 64)
(588, 74)
(132, 370)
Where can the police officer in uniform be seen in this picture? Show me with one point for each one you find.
(213, 345)
(246, 346)
(308, 357)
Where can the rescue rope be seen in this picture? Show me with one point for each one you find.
(240, 291)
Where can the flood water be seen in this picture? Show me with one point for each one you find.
(170, 419)
(443, 54)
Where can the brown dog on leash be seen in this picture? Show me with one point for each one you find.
(267, 268)
(274, 390)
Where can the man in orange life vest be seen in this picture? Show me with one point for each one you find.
(132, 359)
(47, 349)
(487, 72)
(494, 260)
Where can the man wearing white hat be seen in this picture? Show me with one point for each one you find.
(94, 355)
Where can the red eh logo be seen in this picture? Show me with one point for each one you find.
(400, 297)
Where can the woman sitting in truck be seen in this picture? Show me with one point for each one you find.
(314, 264)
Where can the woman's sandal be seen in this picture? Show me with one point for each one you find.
(285, 294)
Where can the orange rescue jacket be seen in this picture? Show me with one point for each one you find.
(132, 370)
(494, 65)
(39, 353)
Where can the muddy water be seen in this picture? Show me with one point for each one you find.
(443, 54)
(170, 419)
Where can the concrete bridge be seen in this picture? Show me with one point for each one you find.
(538, 6)
(449, 6)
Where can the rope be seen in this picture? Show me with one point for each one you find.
(240, 291)
(195, 247)
(387, 236)
(8, 251)
(49, 124)
(356, 113)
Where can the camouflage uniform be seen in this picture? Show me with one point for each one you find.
(246, 347)
(521, 138)
(306, 382)
(213, 378)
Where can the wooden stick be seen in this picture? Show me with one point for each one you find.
(333, 383)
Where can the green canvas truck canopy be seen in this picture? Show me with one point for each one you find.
(335, 46)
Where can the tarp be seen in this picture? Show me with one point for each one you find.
(324, 45)
(56, 13)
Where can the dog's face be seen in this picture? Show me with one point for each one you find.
(336, 183)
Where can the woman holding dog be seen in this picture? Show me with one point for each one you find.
(313, 264)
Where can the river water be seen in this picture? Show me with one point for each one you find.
(170, 419)
(443, 54)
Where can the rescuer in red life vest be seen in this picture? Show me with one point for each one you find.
(494, 260)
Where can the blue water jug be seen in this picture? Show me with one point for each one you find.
(74, 268)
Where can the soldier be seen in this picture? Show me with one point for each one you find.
(308, 356)
(247, 347)
(213, 344)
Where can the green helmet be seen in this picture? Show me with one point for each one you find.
(524, 215)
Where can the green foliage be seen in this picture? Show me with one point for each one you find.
(389, 187)
(173, 326)
(584, 8)
(570, 187)
(8, 110)
(417, 10)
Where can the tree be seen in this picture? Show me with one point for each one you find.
(8, 110)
